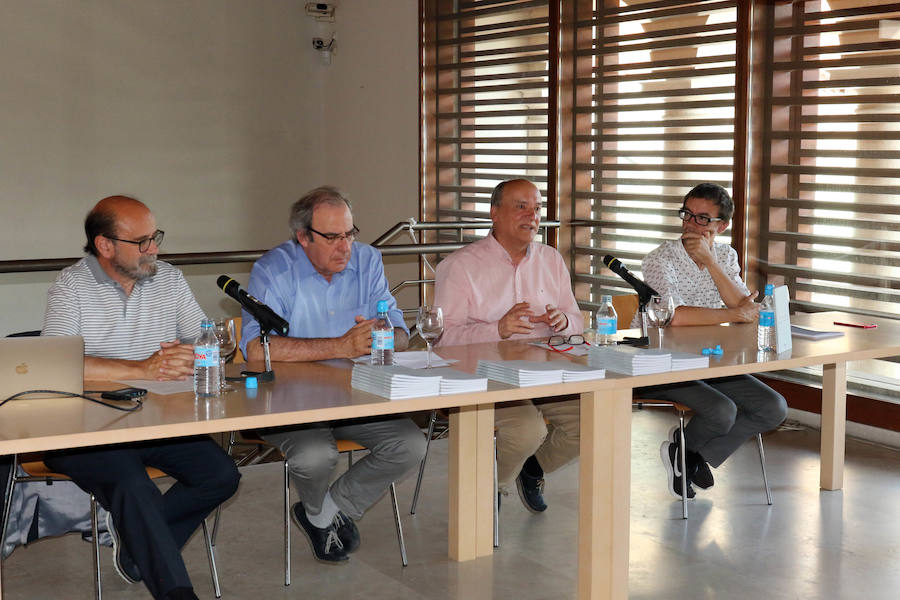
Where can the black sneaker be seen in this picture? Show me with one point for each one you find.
(701, 476)
(347, 532)
(325, 543)
(122, 561)
(531, 491)
(697, 469)
(668, 452)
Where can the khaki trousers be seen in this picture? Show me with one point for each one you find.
(522, 431)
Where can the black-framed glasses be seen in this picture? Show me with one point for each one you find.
(332, 238)
(144, 244)
(702, 220)
(561, 340)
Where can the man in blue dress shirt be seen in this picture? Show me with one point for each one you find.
(326, 286)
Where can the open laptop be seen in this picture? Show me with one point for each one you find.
(41, 363)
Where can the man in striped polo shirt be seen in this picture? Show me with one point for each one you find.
(134, 313)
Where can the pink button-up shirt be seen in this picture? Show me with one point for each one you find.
(476, 285)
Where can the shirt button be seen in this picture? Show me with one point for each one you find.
(331, 312)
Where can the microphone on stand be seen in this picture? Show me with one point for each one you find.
(268, 319)
(644, 292)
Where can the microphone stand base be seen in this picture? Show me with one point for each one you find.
(261, 376)
(643, 342)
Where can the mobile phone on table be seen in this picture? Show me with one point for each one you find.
(129, 393)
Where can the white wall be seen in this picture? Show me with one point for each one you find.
(217, 113)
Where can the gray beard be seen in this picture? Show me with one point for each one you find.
(146, 268)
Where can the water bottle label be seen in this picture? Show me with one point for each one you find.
(606, 326)
(383, 340)
(206, 356)
(766, 318)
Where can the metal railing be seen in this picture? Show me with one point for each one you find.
(241, 256)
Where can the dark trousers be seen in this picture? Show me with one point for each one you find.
(727, 412)
(154, 526)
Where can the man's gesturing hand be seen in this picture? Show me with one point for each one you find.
(555, 318)
(512, 321)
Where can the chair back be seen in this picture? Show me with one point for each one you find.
(626, 305)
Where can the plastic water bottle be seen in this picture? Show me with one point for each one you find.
(765, 333)
(382, 336)
(206, 362)
(606, 322)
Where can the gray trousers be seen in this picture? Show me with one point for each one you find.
(396, 447)
(727, 412)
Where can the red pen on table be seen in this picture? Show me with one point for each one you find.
(860, 325)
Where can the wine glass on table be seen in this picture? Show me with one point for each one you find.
(660, 311)
(430, 323)
(224, 330)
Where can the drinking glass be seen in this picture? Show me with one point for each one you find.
(430, 323)
(224, 330)
(660, 311)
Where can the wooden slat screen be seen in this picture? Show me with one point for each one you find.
(658, 117)
(830, 218)
(490, 103)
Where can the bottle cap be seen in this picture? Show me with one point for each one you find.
(606, 298)
(381, 306)
(251, 383)
(770, 289)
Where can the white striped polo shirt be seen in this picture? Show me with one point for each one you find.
(85, 301)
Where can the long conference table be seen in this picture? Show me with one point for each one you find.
(317, 392)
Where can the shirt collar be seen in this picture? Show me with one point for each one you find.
(500, 251)
(103, 278)
(306, 269)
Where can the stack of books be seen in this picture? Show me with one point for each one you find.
(525, 373)
(394, 382)
(458, 382)
(578, 372)
(630, 360)
(682, 361)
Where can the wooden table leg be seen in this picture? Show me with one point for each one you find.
(471, 482)
(604, 495)
(834, 425)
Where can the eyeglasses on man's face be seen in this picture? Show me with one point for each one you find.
(702, 220)
(332, 238)
(561, 340)
(143, 244)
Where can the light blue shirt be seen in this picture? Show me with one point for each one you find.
(289, 284)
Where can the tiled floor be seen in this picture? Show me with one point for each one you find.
(809, 544)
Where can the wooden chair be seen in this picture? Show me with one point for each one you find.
(626, 306)
(37, 470)
(260, 449)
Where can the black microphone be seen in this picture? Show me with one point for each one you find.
(268, 319)
(644, 291)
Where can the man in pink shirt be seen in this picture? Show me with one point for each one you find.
(507, 286)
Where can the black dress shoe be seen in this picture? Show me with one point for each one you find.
(122, 561)
(325, 543)
(347, 532)
(531, 491)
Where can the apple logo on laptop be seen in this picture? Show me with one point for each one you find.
(22, 369)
